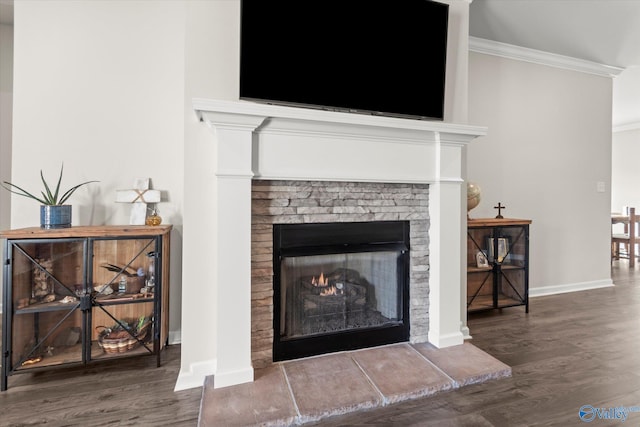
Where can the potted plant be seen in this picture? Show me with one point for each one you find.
(53, 212)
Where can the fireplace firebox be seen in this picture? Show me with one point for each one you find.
(339, 286)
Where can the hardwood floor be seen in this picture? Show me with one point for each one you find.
(129, 392)
(571, 350)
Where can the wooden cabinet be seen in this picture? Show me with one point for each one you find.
(81, 295)
(497, 263)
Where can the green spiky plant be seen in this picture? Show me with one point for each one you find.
(48, 197)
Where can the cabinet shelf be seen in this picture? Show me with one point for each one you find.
(51, 265)
(68, 356)
(61, 306)
(472, 269)
(511, 267)
(48, 306)
(497, 264)
(485, 302)
(64, 356)
(122, 299)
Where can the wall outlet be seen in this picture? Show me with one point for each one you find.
(600, 187)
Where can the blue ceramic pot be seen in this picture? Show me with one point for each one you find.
(55, 216)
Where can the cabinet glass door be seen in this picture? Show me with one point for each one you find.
(124, 281)
(479, 270)
(511, 249)
(46, 292)
(497, 267)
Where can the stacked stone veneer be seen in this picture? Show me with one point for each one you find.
(289, 202)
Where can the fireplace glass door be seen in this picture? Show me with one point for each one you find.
(339, 288)
(331, 293)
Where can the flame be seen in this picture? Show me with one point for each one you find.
(321, 282)
(328, 291)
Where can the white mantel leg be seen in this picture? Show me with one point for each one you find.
(445, 252)
(233, 311)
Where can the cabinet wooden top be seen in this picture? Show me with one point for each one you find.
(86, 231)
(495, 222)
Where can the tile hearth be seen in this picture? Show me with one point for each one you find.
(307, 390)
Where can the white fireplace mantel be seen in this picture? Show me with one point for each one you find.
(258, 141)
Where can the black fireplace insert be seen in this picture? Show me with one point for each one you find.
(339, 286)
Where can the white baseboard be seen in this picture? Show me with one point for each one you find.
(196, 375)
(466, 334)
(570, 287)
(199, 371)
(175, 337)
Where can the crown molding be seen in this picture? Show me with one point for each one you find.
(626, 127)
(519, 53)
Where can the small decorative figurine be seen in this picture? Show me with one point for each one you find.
(139, 196)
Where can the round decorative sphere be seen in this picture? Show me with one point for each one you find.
(473, 195)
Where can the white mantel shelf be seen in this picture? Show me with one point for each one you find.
(260, 141)
(203, 106)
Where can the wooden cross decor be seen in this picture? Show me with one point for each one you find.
(139, 196)
(499, 207)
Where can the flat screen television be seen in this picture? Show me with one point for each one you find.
(384, 57)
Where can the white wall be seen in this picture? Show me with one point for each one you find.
(6, 100)
(626, 99)
(212, 71)
(625, 190)
(456, 89)
(548, 145)
(100, 86)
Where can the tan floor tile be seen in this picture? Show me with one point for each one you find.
(401, 373)
(329, 385)
(266, 401)
(465, 363)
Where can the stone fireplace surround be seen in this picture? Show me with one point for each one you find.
(295, 202)
(266, 142)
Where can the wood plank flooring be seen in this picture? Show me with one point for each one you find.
(571, 350)
(129, 392)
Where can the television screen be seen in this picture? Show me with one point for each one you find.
(382, 57)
